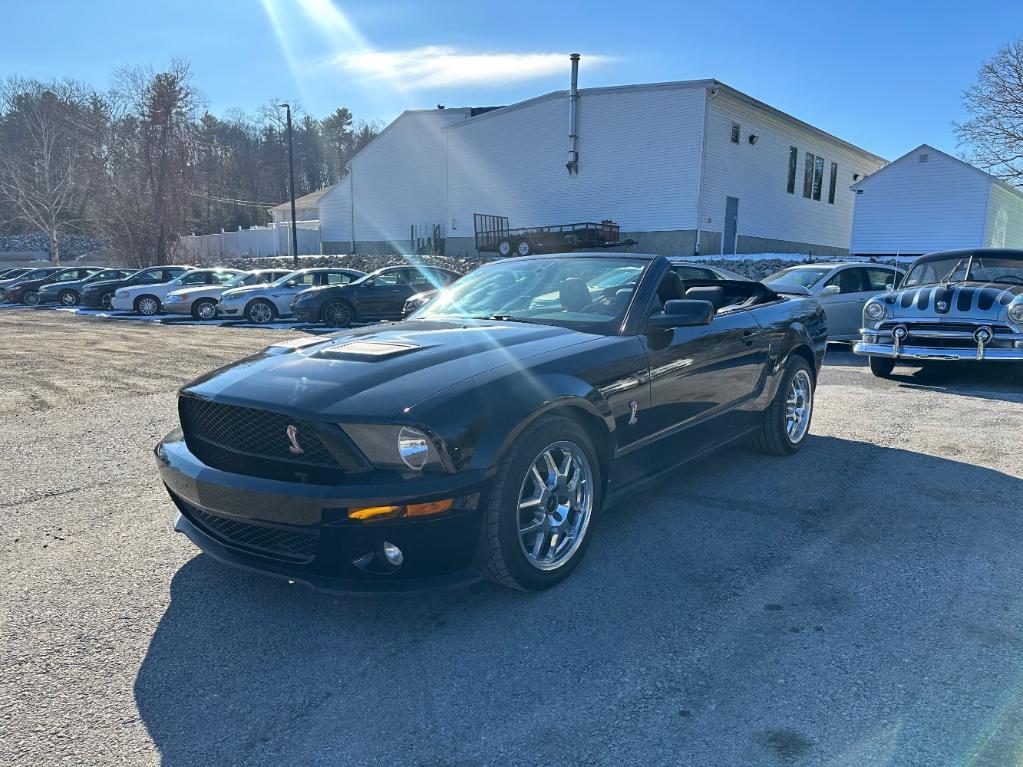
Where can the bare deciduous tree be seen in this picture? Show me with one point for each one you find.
(46, 153)
(993, 136)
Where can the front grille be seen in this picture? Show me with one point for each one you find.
(963, 327)
(254, 442)
(289, 544)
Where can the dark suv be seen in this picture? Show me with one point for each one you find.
(377, 296)
(97, 295)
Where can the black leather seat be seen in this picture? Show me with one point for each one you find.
(671, 288)
(574, 295)
(713, 293)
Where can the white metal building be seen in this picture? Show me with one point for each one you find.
(928, 200)
(683, 167)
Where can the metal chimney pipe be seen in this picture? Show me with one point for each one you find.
(573, 109)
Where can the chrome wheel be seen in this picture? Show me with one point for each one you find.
(68, 298)
(555, 505)
(148, 306)
(106, 301)
(31, 298)
(261, 312)
(206, 310)
(798, 406)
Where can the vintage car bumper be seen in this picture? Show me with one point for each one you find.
(302, 532)
(933, 341)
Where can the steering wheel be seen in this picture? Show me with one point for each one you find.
(1009, 277)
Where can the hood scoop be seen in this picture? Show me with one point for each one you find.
(366, 351)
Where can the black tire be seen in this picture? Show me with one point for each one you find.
(67, 298)
(505, 248)
(31, 298)
(251, 308)
(773, 436)
(338, 314)
(523, 247)
(106, 301)
(500, 556)
(204, 309)
(882, 367)
(147, 305)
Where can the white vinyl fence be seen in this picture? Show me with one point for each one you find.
(256, 241)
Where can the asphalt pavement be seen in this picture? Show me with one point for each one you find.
(856, 604)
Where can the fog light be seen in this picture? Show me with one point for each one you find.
(393, 554)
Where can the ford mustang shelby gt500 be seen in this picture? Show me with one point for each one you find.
(484, 435)
(954, 305)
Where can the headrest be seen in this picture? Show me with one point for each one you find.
(574, 294)
(713, 293)
(671, 288)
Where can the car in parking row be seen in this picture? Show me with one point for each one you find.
(69, 292)
(100, 295)
(201, 300)
(25, 290)
(147, 299)
(265, 303)
(380, 295)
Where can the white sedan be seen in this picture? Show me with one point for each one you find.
(266, 303)
(148, 300)
(201, 300)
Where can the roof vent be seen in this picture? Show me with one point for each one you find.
(922, 157)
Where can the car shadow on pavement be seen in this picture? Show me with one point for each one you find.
(751, 610)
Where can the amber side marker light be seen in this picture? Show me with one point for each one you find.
(381, 513)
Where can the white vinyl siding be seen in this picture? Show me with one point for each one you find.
(399, 179)
(1004, 218)
(916, 206)
(757, 174)
(639, 161)
(336, 213)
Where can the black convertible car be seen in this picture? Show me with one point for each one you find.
(484, 435)
(380, 295)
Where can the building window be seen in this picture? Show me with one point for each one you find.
(793, 162)
(818, 177)
(735, 133)
(808, 176)
(832, 183)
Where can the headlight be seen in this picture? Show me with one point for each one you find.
(1016, 312)
(395, 447)
(121, 293)
(874, 310)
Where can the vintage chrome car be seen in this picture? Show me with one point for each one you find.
(484, 435)
(953, 305)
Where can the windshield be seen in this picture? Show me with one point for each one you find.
(583, 293)
(803, 276)
(1006, 269)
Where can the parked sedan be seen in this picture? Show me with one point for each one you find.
(26, 291)
(9, 277)
(484, 438)
(268, 302)
(380, 295)
(100, 294)
(842, 288)
(147, 300)
(201, 300)
(69, 292)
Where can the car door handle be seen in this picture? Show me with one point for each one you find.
(749, 336)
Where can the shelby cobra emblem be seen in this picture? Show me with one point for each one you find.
(295, 448)
(954, 305)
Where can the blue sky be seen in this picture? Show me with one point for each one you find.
(884, 75)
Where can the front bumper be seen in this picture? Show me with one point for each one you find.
(122, 303)
(305, 313)
(935, 353)
(231, 309)
(232, 516)
(178, 307)
(91, 300)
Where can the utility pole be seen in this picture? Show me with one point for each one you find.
(291, 184)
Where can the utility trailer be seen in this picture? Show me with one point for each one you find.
(493, 235)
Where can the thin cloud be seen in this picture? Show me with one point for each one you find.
(434, 66)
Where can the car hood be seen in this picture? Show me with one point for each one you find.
(249, 290)
(198, 290)
(106, 284)
(953, 300)
(55, 286)
(375, 373)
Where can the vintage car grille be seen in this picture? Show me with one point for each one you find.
(255, 442)
(953, 327)
(289, 544)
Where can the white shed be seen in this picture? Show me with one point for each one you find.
(307, 207)
(928, 200)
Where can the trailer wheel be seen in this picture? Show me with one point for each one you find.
(524, 248)
(504, 247)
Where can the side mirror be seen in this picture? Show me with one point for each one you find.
(831, 290)
(681, 313)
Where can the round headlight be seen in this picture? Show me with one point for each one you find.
(413, 447)
(1016, 312)
(874, 310)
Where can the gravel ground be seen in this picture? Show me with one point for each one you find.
(856, 604)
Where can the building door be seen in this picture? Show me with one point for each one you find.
(731, 222)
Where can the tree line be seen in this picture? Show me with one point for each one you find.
(143, 162)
